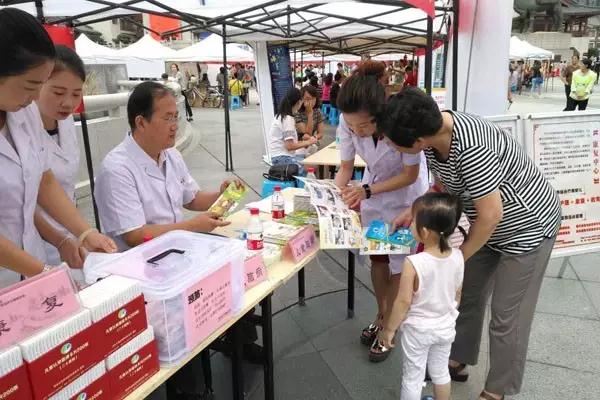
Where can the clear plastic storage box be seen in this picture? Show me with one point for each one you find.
(193, 283)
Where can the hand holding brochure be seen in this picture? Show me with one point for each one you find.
(228, 200)
(377, 240)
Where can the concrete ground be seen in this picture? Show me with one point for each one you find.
(317, 350)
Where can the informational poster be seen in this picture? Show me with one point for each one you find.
(281, 71)
(339, 227)
(567, 151)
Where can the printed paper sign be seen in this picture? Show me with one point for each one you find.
(208, 306)
(303, 244)
(254, 271)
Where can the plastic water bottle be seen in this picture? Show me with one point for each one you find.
(311, 173)
(254, 233)
(277, 204)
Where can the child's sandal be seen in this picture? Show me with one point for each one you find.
(378, 352)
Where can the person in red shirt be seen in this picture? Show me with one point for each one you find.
(411, 77)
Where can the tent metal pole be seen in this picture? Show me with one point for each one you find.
(294, 69)
(228, 160)
(444, 59)
(429, 56)
(302, 64)
(39, 9)
(89, 164)
(455, 22)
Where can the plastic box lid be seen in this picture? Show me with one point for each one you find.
(168, 264)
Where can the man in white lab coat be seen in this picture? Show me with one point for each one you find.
(142, 187)
(144, 184)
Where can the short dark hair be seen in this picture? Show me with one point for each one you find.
(410, 115)
(587, 62)
(223, 70)
(165, 75)
(440, 213)
(363, 91)
(328, 80)
(24, 43)
(67, 59)
(287, 103)
(314, 81)
(297, 80)
(141, 100)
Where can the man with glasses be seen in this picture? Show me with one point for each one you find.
(142, 187)
(144, 184)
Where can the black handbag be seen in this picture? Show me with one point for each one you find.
(282, 173)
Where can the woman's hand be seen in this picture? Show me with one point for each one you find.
(95, 241)
(306, 136)
(69, 253)
(403, 220)
(353, 195)
(309, 105)
(239, 184)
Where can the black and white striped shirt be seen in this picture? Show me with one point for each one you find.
(483, 158)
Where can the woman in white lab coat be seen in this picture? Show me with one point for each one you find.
(25, 176)
(59, 96)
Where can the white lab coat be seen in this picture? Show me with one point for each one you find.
(383, 162)
(20, 176)
(64, 162)
(132, 190)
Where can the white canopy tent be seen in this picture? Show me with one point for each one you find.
(87, 48)
(148, 47)
(210, 50)
(523, 50)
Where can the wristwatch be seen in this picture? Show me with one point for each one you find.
(367, 190)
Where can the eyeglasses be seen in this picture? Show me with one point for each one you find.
(172, 119)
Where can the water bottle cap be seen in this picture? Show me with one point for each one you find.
(277, 188)
(254, 211)
(147, 238)
(311, 169)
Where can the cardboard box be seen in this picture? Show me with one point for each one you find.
(117, 308)
(93, 385)
(133, 364)
(14, 381)
(59, 355)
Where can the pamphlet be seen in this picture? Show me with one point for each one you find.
(377, 240)
(339, 226)
(228, 200)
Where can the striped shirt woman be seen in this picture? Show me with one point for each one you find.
(515, 216)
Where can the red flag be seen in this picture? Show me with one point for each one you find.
(426, 5)
(61, 35)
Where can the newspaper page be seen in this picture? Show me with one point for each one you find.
(339, 226)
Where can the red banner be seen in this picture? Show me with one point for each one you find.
(426, 5)
(61, 35)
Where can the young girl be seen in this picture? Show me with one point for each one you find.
(58, 98)
(426, 303)
(283, 139)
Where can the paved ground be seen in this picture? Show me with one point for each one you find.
(318, 354)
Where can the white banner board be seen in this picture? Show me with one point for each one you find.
(566, 148)
(513, 124)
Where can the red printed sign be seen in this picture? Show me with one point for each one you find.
(15, 385)
(254, 271)
(121, 326)
(208, 306)
(97, 390)
(133, 371)
(303, 244)
(63, 364)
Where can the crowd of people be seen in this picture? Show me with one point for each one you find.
(533, 76)
(436, 298)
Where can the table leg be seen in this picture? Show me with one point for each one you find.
(301, 287)
(267, 330)
(351, 264)
(321, 171)
(236, 362)
(207, 370)
(332, 172)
